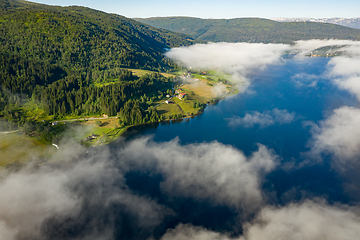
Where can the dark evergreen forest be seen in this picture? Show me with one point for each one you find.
(255, 30)
(73, 60)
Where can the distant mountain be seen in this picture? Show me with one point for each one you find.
(347, 22)
(251, 29)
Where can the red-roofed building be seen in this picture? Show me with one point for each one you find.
(181, 95)
(178, 90)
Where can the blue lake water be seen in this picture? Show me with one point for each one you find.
(273, 87)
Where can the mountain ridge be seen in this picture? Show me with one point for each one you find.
(347, 22)
(251, 29)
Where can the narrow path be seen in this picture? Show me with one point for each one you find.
(92, 118)
(10, 131)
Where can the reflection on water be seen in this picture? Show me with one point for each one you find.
(276, 87)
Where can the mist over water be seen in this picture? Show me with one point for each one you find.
(278, 87)
(277, 161)
(298, 88)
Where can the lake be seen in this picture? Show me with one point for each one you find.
(299, 86)
(272, 88)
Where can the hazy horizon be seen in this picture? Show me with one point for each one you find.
(220, 9)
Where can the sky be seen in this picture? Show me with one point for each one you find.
(221, 9)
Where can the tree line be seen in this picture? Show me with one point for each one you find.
(71, 60)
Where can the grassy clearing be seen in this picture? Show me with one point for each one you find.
(169, 109)
(187, 106)
(107, 132)
(208, 78)
(91, 126)
(140, 72)
(221, 75)
(106, 138)
(19, 148)
(184, 107)
(108, 82)
(136, 72)
(202, 89)
(114, 134)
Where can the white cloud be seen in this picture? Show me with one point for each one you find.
(237, 59)
(207, 171)
(75, 191)
(344, 66)
(82, 190)
(28, 199)
(307, 221)
(241, 59)
(305, 80)
(339, 135)
(304, 47)
(189, 232)
(265, 119)
(345, 72)
(89, 190)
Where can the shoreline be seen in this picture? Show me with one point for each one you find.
(110, 131)
(213, 102)
(198, 91)
(127, 128)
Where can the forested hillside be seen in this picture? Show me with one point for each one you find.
(53, 56)
(251, 29)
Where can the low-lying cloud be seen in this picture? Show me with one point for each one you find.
(309, 220)
(84, 193)
(339, 135)
(242, 59)
(343, 70)
(238, 59)
(265, 119)
(211, 172)
(345, 73)
(85, 196)
(305, 80)
(88, 191)
(304, 47)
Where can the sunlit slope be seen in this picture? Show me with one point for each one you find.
(251, 29)
(79, 37)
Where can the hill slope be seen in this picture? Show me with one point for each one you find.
(251, 29)
(81, 36)
(347, 22)
(69, 61)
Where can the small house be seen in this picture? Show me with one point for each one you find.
(181, 95)
(93, 136)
